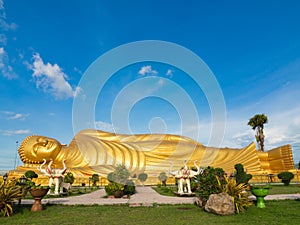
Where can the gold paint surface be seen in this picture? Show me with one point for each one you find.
(94, 151)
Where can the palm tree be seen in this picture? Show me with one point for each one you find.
(257, 122)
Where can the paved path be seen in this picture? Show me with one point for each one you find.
(144, 196)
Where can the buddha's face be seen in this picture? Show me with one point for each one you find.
(38, 148)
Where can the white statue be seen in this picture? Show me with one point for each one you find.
(184, 176)
(56, 176)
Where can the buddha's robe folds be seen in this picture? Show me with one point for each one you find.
(94, 151)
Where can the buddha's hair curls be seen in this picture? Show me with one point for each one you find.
(22, 154)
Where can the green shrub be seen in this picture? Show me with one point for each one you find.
(163, 178)
(286, 177)
(69, 178)
(143, 177)
(129, 188)
(9, 192)
(240, 175)
(119, 182)
(206, 183)
(95, 179)
(31, 174)
(112, 187)
(120, 175)
(111, 177)
(237, 191)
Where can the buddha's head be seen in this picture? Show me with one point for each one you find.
(34, 149)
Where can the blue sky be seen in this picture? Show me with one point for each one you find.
(252, 49)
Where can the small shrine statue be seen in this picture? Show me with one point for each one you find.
(56, 176)
(184, 176)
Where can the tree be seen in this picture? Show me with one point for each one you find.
(69, 178)
(257, 123)
(163, 178)
(286, 177)
(95, 179)
(143, 177)
(241, 176)
(120, 175)
(30, 174)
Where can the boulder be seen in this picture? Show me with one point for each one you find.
(220, 204)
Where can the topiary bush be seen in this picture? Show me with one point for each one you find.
(163, 178)
(119, 183)
(31, 174)
(206, 183)
(286, 177)
(143, 177)
(69, 178)
(120, 175)
(113, 187)
(95, 179)
(129, 188)
(240, 174)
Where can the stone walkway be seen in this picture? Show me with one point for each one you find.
(145, 196)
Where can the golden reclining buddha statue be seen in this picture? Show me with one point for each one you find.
(95, 151)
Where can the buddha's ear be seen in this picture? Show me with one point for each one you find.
(34, 152)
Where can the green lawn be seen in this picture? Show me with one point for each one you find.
(276, 189)
(73, 192)
(277, 212)
(281, 189)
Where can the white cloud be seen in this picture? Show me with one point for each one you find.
(6, 26)
(3, 24)
(78, 70)
(18, 116)
(147, 70)
(78, 91)
(160, 82)
(169, 73)
(283, 128)
(51, 79)
(14, 132)
(104, 126)
(5, 69)
(15, 116)
(3, 39)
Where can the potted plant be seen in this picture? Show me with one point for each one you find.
(260, 192)
(38, 192)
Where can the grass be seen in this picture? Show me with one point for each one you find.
(277, 212)
(73, 192)
(281, 189)
(166, 190)
(276, 189)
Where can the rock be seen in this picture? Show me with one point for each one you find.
(220, 204)
(199, 202)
